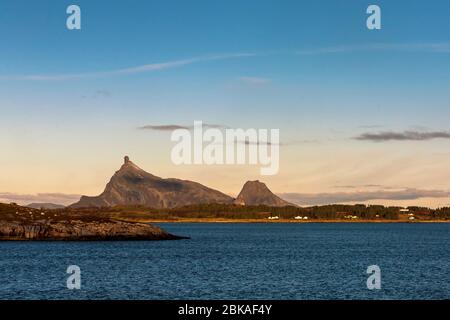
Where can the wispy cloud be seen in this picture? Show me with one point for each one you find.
(127, 71)
(442, 47)
(258, 143)
(24, 199)
(165, 127)
(98, 94)
(403, 136)
(171, 127)
(439, 47)
(345, 197)
(254, 81)
(284, 143)
(102, 93)
(370, 126)
(360, 186)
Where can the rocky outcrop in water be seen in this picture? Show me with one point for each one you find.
(79, 230)
(21, 223)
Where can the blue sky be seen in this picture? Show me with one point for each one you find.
(310, 68)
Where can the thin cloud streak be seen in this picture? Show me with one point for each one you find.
(172, 127)
(258, 143)
(404, 47)
(127, 71)
(254, 81)
(166, 127)
(98, 94)
(361, 186)
(403, 136)
(345, 197)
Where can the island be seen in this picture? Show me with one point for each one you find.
(19, 223)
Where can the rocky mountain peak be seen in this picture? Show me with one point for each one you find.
(131, 185)
(129, 167)
(255, 193)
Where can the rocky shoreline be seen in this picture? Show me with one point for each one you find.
(81, 231)
(18, 223)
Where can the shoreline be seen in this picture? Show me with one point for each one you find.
(212, 220)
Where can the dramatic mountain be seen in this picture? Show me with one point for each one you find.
(255, 193)
(133, 186)
(50, 206)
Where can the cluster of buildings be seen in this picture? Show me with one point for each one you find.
(410, 215)
(296, 218)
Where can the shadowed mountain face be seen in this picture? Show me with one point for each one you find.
(256, 193)
(133, 186)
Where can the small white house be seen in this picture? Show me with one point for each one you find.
(274, 218)
(305, 218)
(298, 218)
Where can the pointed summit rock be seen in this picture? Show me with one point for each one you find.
(133, 186)
(256, 193)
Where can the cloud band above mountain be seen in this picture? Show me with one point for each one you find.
(403, 136)
(298, 198)
(345, 197)
(172, 127)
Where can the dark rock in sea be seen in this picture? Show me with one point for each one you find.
(22, 223)
(81, 230)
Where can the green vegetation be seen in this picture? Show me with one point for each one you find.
(225, 211)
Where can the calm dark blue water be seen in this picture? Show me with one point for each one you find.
(239, 261)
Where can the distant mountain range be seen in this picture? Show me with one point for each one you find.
(133, 186)
(45, 206)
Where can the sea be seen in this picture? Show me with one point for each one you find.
(301, 261)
